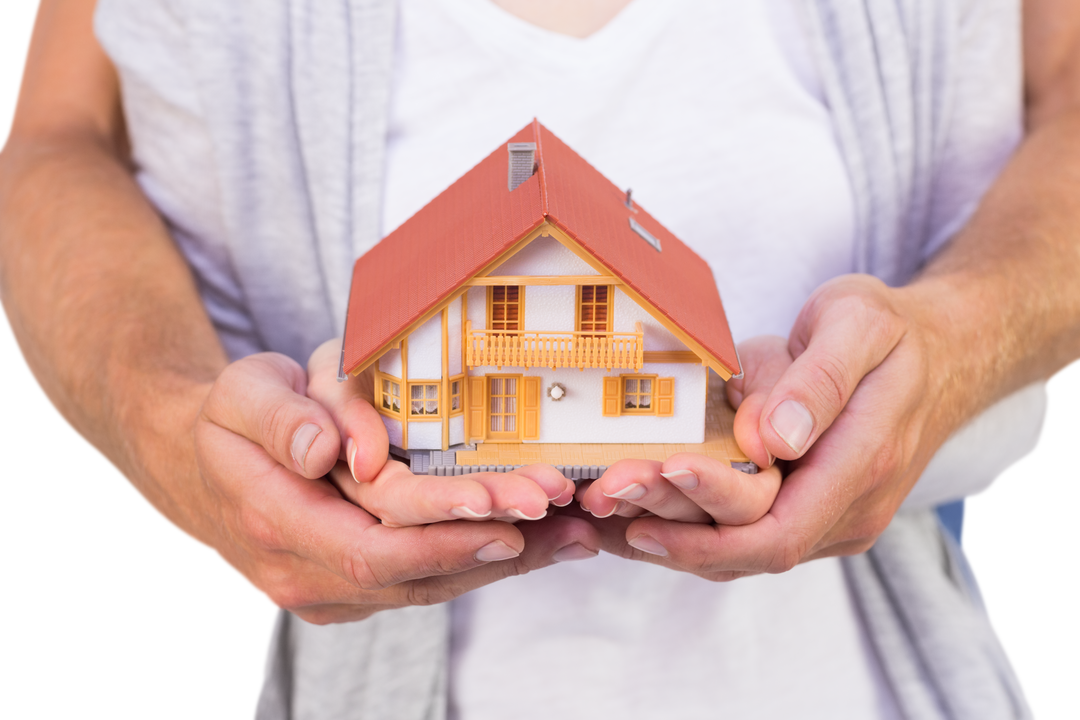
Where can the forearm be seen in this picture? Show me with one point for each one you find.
(1002, 297)
(105, 308)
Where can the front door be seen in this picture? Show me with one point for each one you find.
(504, 407)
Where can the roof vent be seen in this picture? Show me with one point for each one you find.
(522, 163)
(645, 234)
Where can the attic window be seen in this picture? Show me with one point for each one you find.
(645, 234)
(522, 163)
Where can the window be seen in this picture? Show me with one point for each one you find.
(456, 408)
(390, 394)
(637, 394)
(594, 309)
(504, 307)
(423, 399)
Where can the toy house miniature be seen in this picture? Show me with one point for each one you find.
(533, 312)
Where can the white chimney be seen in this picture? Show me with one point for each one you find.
(522, 163)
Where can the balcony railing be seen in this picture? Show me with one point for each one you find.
(502, 348)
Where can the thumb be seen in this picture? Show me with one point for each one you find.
(261, 398)
(365, 445)
(764, 360)
(845, 339)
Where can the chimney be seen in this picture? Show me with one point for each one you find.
(522, 163)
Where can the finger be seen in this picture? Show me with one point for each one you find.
(764, 361)
(638, 482)
(728, 496)
(400, 498)
(279, 511)
(365, 443)
(261, 398)
(545, 543)
(556, 486)
(846, 334)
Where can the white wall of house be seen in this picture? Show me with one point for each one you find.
(453, 324)
(626, 312)
(544, 256)
(390, 363)
(425, 352)
(393, 429)
(578, 417)
(457, 429)
(425, 435)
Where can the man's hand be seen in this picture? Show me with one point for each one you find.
(263, 447)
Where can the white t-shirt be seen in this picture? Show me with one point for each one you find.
(712, 112)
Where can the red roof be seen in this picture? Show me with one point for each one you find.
(418, 266)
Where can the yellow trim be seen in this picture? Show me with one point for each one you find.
(378, 399)
(450, 395)
(487, 409)
(622, 395)
(464, 368)
(671, 356)
(606, 279)
(610, 322)
(520, 302)
(407, 407)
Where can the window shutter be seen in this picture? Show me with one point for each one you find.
(665, 397)
(530, 408)
(611, 396)
(476, 407)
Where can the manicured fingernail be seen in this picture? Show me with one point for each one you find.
(559, 504)
(301, 443)
(635, 491)
(685, 479)
(350, 453)
(793, 423)
(495, 551)
(772, 460)
(463, 512)
(522, 516)
(644, 543)
(609, 512)
(572, 552)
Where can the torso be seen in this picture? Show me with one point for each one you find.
(711, 113)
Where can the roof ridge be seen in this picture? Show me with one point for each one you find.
(540, 172)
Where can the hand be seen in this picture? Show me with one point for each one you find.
(396, 496)
(858, 414)
(263, 448)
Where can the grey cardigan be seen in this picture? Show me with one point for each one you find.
(310, 81)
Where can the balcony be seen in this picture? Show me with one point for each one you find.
(501, 348)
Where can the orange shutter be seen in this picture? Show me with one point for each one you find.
(611, 396)
(530, 408)
(476, 408)
(665, 397)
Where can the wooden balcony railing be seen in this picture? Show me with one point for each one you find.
(501, 348)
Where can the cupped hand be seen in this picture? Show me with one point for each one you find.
(857, 401)
(263, 448)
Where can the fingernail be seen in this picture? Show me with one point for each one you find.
(557, 504)
(301, 443)
(522, 516)
(685, 479)
(350, 453)
(572, 552)
(495, 551)
(772, 460)
(635, 491)
(644, 543)
(793, 423)
(609, 513)
(463, 512)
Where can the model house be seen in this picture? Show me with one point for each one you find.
(534, 302)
